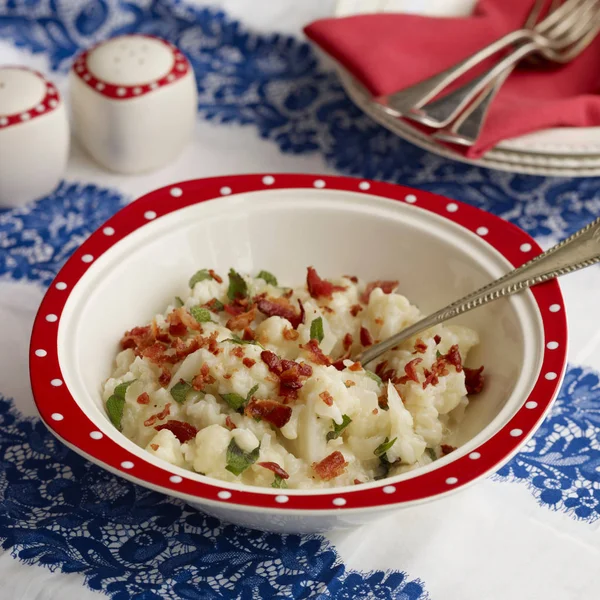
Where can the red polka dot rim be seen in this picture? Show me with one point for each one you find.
(336, 205)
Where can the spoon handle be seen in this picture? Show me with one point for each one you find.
(579, 251)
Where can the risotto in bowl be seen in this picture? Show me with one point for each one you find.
(202, 343)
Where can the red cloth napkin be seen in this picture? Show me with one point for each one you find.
(388, 52)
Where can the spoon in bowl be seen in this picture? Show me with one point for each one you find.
(578, 251)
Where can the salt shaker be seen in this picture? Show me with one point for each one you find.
(134, 102)
(34, 136)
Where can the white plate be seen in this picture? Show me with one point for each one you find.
(570, 151)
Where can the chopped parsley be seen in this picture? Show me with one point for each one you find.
(438, 354)
(179, 302)
(236, 401)
(235, 339)
(279, 482)
(374, 377)
(337, 429)
(384, 447)
(180, 390)
(238, 460)
(116, 403)
(431, 453)
(238, 288)
(202, 315)
(199, 276)
(268, 277)
(316, 330)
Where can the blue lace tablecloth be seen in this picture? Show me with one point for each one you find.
(71, 530)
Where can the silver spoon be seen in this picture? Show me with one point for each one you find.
(579, 251)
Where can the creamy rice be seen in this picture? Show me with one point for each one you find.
(210, 385)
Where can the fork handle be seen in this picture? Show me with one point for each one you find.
(579, 251)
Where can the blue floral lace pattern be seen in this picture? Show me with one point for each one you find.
(276, 84)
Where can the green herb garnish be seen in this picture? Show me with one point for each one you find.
(431, 453)
(316, 330)
(279, 481)
(374, 377)
(268, 277)
(217, 305)
(235, 339)
(202, 315)
(180, 390)
(238, 460)
(116, 404)
(236, 401)
(384, 447)
(438, 354)
(179, 302)
(238, 287)
(337, 429)
(199, 276)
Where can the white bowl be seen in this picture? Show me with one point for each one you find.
(438, 249)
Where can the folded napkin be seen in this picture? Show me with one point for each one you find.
(388, 52)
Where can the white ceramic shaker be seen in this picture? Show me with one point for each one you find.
(34, 136)
(134, 102)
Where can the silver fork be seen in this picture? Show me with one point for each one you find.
(415, 96)
(467, 127)
(442, 111)
(578, 251)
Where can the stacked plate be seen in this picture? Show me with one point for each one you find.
(567, 151)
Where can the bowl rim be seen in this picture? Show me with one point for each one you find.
(72, 426)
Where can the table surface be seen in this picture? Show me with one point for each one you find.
(267, 102)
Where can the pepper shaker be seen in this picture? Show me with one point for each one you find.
(134, 102)
(34, 136)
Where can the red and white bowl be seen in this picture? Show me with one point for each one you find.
(439, 249)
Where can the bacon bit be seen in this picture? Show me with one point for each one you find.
(229, 423)
(378, 321)
(159, 334)
(227, 376)
(438, 369)
(347, 341)
(165, 412)
(212, 305)
(138, 338)
(157, 353)
(165, 377)
(271, 411)
(249, 334)
(203, 378)
(241, 321)
(437, 339)
(355, 367)
(446, 449)
(289, 293)
(212, 344)
(318, 287)
(357, 481)
(271, 466)
(234, 309)
(339, 363)
(331, 466)
(237, 351)
(288, 373)
(281, 307)
(420, 347)
(184, 348)
(453, 358)
(352, 278)
(183, 431)
(384, 375)
(176, 326)
(474, 380)
(143, 398)
(249, 362)
(387, 286)
(327, 309)
(316, 354)
(154, 447)
(375, 411)
(355, 309)
(326, 397)
(410, 369)
(365, 337)
(215, 276)
(290, 334)
(350, 383)
(382, 401)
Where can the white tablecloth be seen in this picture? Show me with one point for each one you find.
(267, 103)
